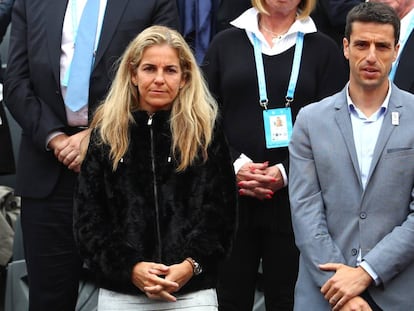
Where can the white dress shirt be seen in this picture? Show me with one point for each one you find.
(366, 131)
(73, 14)
(70, 25)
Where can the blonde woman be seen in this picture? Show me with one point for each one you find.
(269, 65)
(155, 208)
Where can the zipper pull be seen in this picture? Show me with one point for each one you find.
(150, 119)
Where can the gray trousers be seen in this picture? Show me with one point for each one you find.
(204, 300)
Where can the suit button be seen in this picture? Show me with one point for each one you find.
(354, 252)
(363, 215)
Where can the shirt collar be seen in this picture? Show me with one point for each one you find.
(381, 111)
(249, 21)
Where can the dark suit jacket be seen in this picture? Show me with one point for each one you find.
(229, 10)
(5, 17)
(6, 149)
(33, 83)
(330, 17)
(404, 77)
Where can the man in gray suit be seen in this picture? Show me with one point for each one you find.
(351, 180)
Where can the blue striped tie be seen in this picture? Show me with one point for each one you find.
(80, 69)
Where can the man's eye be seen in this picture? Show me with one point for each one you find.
(383, 47)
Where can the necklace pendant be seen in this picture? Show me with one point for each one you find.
(276, 39)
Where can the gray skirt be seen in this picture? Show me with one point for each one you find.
(203, 300)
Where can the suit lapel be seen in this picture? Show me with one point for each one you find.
(387, 128)
(55, 14)
(113, 14)
(344, 123)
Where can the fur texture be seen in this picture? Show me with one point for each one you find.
(117, 214)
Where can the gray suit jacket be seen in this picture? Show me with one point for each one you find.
(333, 217)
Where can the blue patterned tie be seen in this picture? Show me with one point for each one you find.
(80, 69)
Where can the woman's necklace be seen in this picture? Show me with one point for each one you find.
(275, 36)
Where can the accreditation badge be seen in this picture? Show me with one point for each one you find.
(278, 127)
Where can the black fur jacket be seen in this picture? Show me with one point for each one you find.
(146, 211)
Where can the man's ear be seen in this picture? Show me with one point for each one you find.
(345, 44)
(397, 48)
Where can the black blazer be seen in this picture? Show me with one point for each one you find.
(229, 10)
(5, 17)
(330, 17)
(6, 150)
(33, 81)
(6, 147)
(404, 77)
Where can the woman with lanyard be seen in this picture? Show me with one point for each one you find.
(262, 71)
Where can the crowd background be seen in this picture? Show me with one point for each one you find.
(202, 19)
(216, 16)
(329, 16)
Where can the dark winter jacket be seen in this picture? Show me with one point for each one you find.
(146, 211)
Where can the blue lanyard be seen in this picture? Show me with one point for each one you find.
(402, 44)
(293, 75)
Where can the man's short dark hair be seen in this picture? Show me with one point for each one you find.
(373, 12)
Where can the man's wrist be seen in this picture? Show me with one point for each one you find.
(368, 274)
(50, 137)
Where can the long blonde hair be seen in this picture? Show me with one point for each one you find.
(193, 111)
